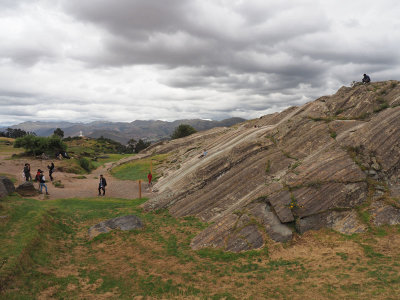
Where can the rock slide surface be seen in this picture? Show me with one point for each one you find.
(322, 164)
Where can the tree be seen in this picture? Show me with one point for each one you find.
(15, 133)
(141, 145)
(38, 144)
(59, 132)
(131, 146)
(182, 131)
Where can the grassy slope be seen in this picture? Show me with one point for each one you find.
(45, 252)
(138, 169)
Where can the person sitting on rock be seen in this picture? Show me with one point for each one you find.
(204, 154)
(366, 79)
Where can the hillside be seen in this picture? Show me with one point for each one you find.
(333, 162)
(122, 131)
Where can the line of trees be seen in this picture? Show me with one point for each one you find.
(49, 145)
(137, 146)
(15, 133)
(38, 144)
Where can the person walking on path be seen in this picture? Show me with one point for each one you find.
(27, 172)
(150, 177)
(102, 185)
(42, 183)
(51, 170)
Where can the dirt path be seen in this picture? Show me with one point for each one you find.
(74, 187)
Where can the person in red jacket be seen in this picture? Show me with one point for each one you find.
(150, 177)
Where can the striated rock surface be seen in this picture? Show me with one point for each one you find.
(306, 168)
(384, 214)
(6, 187)
(123, 223)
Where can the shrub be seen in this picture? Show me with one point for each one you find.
(85, 164)
(37, 144)
(182, 131)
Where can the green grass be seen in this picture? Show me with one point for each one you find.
(58, 184)
(6, 146)
(138, 169)
(111, 158)
(45, 251)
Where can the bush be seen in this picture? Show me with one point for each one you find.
(86, 164)
(182, 131)
(37, 144)
(59, 132)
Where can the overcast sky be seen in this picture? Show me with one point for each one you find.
(125, 60)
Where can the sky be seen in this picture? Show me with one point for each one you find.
(126, 60)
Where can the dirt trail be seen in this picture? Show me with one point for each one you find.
(74, 187)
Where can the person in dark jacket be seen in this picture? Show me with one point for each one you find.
(27, 172)
(102, 185)
(51, 170)
(42, 183)
(366, 79)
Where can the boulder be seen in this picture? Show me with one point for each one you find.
(276, 230)
(384, 214)
(123, 223)
(346, 222)
(233, 233)
(27, 189)
(6, 187)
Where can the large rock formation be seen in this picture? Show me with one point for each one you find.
(6, 187)
(27, 189)
(123, 223)
(308, 167)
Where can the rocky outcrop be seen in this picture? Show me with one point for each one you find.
(123, 223)
(313, 166)
(384, 214)
(6, 187)
(27, 189)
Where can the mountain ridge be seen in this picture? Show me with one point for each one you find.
(150, 130)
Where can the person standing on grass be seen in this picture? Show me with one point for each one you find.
(42, 183)
(51, 170)
(102, 185)
(150, 177)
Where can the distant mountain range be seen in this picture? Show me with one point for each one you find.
(122, 131)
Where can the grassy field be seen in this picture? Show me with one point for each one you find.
(45, 253)
(138, 169)
(6, 146)
(88, 148)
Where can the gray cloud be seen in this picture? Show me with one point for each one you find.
(172, 59)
